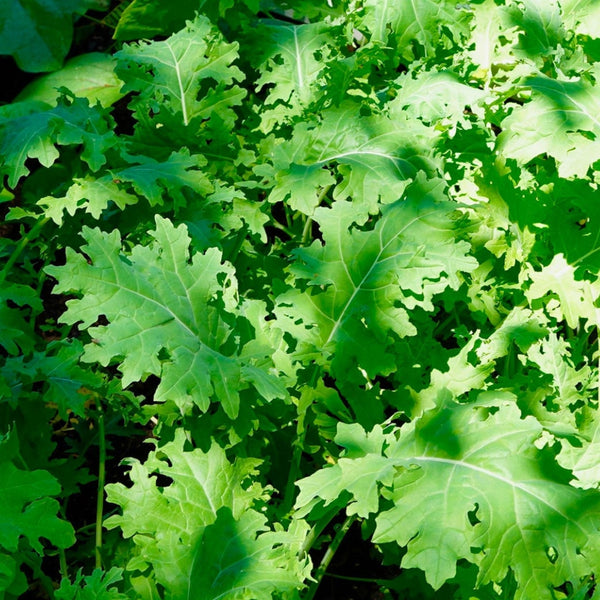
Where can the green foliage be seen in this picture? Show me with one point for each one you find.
(277, 275)
(38, 33)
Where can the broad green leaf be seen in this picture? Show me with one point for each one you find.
(458, 462)
(172, 75)
(150, 179)
(154, 180)
(177, 321)
(242, 558)
(432, 96)
(493, 35)
(571, 385)
(29, 510)
(150, 18)
(581, 454)
(38, 33)
(97, 586)
(90, 76)
(541, 24)
(560, 120)
(418, 21)
(362, 283)
(67, 384)
(581, 17)
(90, 194)
(375, 158)
(36, 135)
(167, 521)
(292, 58)
(469, 483)
(564, 296)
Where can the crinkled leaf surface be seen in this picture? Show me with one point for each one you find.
(169, 74)
(90, 76)
(99, 585)
(362, 282)
(169, 314)
(292, 61)
(574, 299)
(469, 483)
(375, 156)
(167, 522)
(36, 135)
(241, 558)
(418, 21)
(28, 508)
(560, 120)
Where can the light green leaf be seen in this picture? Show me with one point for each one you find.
(176, 324)
(167, 521)
(90, 76)
(564, 296)
(29, 511)
(292, 58)
(560, 120)
(375, 158)
(416, 21)
(97, 586)
(242, 558)
(168, 75)
(36, 135)
(361, 283)
(154, 180)
(456, 461)
(468, 482)
(432, 96)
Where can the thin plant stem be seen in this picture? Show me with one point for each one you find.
(101, 479)
(307, 230)
(294, 472)
(359, 579)
(318, 528)
(32, 234)
(328, 556)
(62, 558)
(308, 224)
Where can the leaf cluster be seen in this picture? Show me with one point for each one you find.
(276, 274)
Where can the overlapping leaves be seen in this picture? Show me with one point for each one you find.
(362, 283)
(467, 482)
(169, 314)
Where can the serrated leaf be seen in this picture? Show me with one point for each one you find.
(431, 96)
(565, 297)
(154, 180)
(36, 135)
(291, 62)
(375, 156)
(361, 283)
(241, 558)
(176, 321)
(167, 521)
(97, 586)
(90, 76)
(469, 483)
(29, 510)
(560, 120)
(416, 21)
(168, 75)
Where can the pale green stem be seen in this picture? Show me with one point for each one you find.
(329, 554)
(101, 479)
